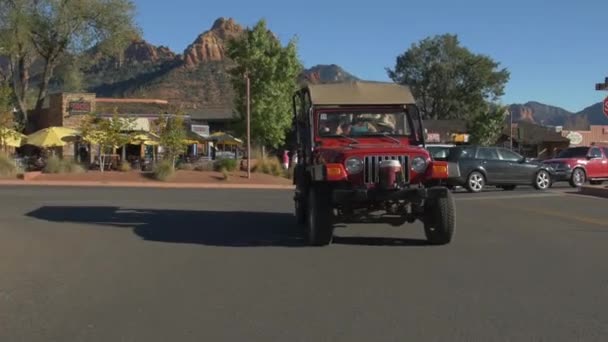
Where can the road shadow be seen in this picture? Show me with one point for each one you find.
(210, 228)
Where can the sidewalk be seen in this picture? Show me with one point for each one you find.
(130, 184)
(181, 180)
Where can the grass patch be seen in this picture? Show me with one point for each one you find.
(56, 165)
(269, 166)
(204, 166)
(186, 166)
(7, 166)
(225, 174)
(227, 164)
(124, 167)
(164, 171)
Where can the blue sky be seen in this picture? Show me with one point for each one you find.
(555, 50)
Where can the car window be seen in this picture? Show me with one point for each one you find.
(605, 152)
(574, 152)
(509, 155)
(456, 153)
(595, 152)
(487, 153)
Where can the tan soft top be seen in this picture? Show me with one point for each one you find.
(360, 93)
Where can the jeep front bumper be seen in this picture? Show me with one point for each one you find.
(345, 196)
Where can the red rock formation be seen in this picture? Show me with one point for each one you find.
(527, 114)
(141, 51)
(211, 45)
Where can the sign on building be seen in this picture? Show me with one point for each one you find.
(202, 130)
(433, 137)
(575, 138)
(79, 107)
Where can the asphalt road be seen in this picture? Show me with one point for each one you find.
(202, 265)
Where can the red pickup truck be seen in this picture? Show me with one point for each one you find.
(577, 165)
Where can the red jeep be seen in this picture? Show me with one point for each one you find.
(579, 164)
(361, 158)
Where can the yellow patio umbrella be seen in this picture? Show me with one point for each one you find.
(12, 138)
(149, 139)
(52, 136)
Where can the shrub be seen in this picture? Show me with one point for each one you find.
(7, 167)
(186, 166)
(164, 170)
(53, 165)
(124, 167)
(204, 166)
(228, 164)
(70, 166)
(225, 174)
(270, 166)
(56, 165)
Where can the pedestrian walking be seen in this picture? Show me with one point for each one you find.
(286, 159)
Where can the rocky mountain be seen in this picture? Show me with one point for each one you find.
(595, 114)
(196, 79)
(327, 74)
(211, 45)
(542, 114)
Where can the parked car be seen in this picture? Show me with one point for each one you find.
(481, 166)
(576, 165)
(439, 151)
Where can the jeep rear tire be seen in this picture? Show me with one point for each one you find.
(319, 225)
(440, 220)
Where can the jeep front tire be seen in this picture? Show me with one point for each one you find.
(319, 225)
(440, 220)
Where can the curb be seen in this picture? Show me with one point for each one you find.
(145, 185)
(596, 191)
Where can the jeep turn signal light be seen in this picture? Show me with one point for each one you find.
(335, 172)
(439, 170)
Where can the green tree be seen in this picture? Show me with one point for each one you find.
(273, 70)
(485, 128)
(173, 134)
(109, 134)
(49, 29)
(448, 80)
(7, 122)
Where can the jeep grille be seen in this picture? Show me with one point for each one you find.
(371, 166)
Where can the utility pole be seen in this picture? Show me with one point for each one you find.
(511, 128)
(248, 125)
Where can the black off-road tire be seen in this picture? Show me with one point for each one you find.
(300, 209)
(300, 198)
(440, 220)
(508, 187)
(575, 182)
(319, 225)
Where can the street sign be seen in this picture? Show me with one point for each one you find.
(606, 106)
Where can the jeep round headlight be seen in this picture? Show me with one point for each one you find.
(353, 165)
(418, 164)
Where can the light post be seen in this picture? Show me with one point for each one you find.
(510, 128)
(248, 125)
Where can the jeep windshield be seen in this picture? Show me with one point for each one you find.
(362, 124)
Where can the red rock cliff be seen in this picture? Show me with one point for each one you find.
(211, 45)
